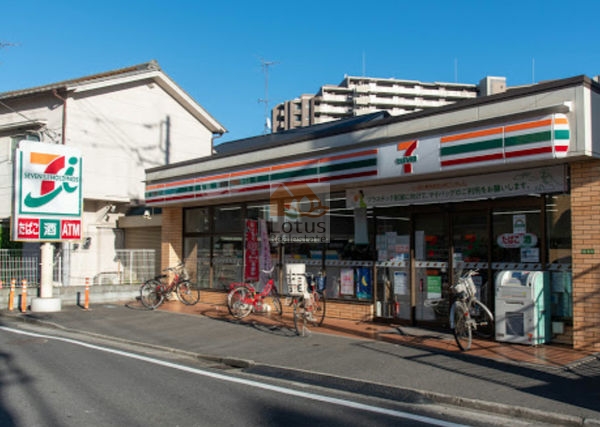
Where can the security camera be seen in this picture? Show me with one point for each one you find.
(147, 214)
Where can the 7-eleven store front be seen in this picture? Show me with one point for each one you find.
(505, 182)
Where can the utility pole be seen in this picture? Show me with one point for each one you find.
(265, 66)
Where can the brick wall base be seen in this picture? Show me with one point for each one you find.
(335, 309)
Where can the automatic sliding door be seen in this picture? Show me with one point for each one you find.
(431, 267)
(470, 242)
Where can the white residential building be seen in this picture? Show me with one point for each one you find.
(123, 122)
(356, 96)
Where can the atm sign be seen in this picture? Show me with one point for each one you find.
(48, 229)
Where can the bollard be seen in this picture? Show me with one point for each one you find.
(11, 296)
(24, 296)
(86, 300)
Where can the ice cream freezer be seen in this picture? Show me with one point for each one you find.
(523, 307)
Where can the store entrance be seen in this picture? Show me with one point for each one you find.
(446, 244)
(470, 249)
(431, 267)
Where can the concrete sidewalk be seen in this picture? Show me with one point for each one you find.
(551, 384)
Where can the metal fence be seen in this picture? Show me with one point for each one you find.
(18, 265)
(132, 266)
(135, 266)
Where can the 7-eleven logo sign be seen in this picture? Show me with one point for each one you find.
(48, 195)
(407, 149)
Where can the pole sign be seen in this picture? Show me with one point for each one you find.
(47, 193)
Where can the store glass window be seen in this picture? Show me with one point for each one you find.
(558, 222)
(228, 219)
(197, 252)
(351, 235)
(258, 211)
(196, 220)
(517, 233)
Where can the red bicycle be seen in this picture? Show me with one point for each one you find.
(243, 299)
(155, 291)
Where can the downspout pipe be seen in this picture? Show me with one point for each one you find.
(64, 116)
(212, 141)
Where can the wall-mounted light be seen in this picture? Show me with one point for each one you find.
(147, 214)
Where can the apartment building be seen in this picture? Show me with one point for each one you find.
(356, 96)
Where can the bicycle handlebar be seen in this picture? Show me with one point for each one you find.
(176, 267)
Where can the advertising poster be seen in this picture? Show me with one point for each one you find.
(434, 287)
(400, 283)
(364, 287)
(347, 281)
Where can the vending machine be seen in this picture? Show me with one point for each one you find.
(523, 307)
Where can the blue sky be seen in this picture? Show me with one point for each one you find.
(214, 50)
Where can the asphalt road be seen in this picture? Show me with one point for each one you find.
(51, 380)
(361, 366)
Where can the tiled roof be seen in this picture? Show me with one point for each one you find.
(135, 69)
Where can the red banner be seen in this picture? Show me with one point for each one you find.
(251, 252)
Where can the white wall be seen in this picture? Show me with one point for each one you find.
(42, 108)
(122, 133)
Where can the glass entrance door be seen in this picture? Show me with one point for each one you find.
(470, 245)
(431, 267)
(392, 292)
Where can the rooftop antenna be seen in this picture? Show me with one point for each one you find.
(455, 70)
(532, 70)
(364, 64)
(265, 66)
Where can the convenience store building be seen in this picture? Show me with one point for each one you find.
(509, 181)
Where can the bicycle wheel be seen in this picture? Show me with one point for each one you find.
(240, 302)
(484, 321)
(272, 304)
(317, 310)
(150, 294)
(187, 293)
(461, 327)
(300, 317)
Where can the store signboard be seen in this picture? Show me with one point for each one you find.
(48, 193)
(503, 184)
(542, 138)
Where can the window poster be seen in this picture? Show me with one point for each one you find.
(400, 283)
(434, 287)
(364, 286)
(347, 281)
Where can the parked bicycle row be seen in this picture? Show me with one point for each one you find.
(306, 294)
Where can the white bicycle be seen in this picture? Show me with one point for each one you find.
(468, 315)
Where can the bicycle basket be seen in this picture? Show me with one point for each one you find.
(465, 287)
(183, 273)
(470, 286)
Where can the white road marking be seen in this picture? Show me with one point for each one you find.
(251, 383)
